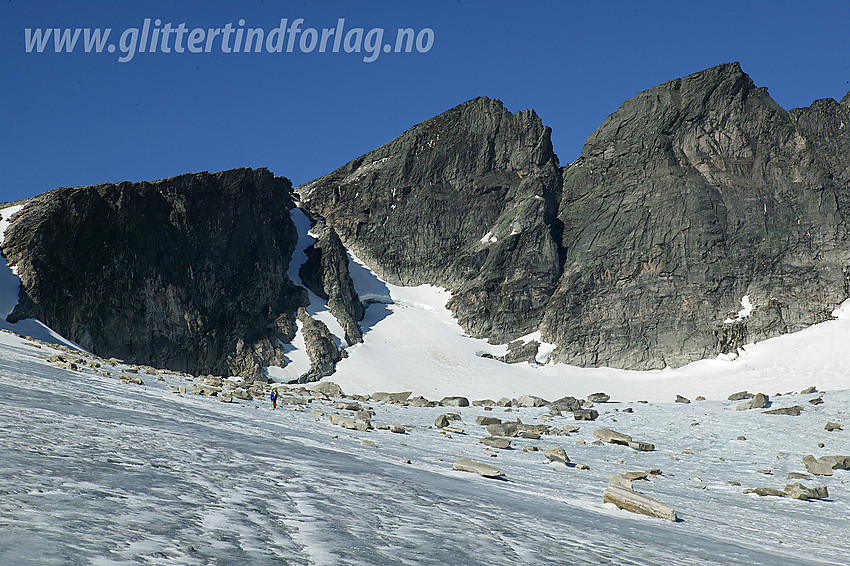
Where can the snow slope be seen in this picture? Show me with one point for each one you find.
(412, 343)
(99, 472)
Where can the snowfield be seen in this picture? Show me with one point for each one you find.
(103, 472)
(98, 470)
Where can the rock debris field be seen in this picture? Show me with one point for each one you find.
(109, 463)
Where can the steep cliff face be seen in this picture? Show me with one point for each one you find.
(693, 194)
(465, 200)
(188, 273)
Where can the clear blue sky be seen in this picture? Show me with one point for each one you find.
(76, 119)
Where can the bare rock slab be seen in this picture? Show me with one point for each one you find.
(496, 442)
(486, 470)
(612, 436)
(635, 502)
(793, 411)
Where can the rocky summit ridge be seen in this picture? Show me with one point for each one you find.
(691, 196)
(700, 215)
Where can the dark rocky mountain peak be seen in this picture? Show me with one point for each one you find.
(692, 195)
(467, 200)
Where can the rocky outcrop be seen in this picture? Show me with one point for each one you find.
(321, 348)
(465, 200)
(326, 274)
(187, 273)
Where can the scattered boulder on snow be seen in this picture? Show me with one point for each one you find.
(641, 446)
(799, 491)
(612, 436)
(585, 415)
(797, 476)
(486, 470)
(759, 401)
(793, 411)
(680, 399)
(809, 390)
(532, 401)
(454, 402)
(420, 401)
(397, 428)
(765, 492)
(484, 421)
(504, 402)
(496, 442)
(625, 480)
(557, 454)
(837, 462)
(565, 404)
(483, 403)
(635, 502)
(816, 401)
(824, 465)
(740, 395)
(445, 419)
(393, 398)
(328, 388)
(348, 422)
(598, 398)
(503, 429)
(831, 426)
